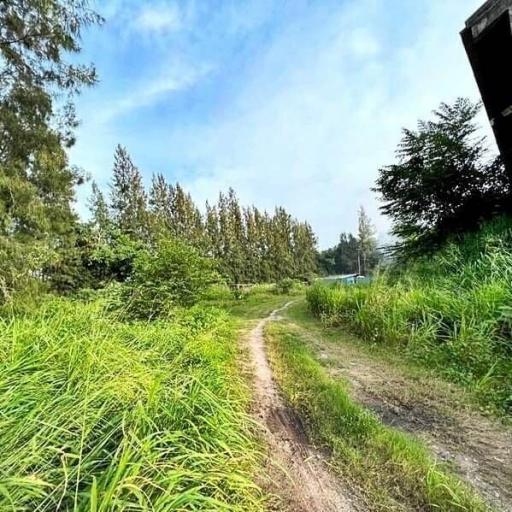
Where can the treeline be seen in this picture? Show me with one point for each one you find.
(354, 254)
(249, 245)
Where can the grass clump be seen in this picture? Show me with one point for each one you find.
(391, 469)
(450, 312)
(97, 414)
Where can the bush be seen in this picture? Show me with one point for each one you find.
(284, 286)
(173, 275)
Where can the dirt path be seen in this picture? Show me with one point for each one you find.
(478, 448)
(298, 474)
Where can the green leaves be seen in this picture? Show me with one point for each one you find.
(444, 182)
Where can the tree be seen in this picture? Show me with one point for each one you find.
(128, 197)
(444, 182)
(36, 180)
(346, 254)
(366, 242)
(99, 210)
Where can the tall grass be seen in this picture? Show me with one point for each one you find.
(452, 312)
(100, 415)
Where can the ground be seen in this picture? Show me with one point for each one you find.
(442, 416)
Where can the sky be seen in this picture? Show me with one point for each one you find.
(291, 102)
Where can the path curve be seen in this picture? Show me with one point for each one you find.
(305, 482)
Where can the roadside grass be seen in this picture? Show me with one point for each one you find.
(253, 304)
(393, 471)
(451, 312)
(102, 415)
(380, 353)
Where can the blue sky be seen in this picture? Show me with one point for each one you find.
(294, 103)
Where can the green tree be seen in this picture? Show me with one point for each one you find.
(366, 242)
(36, 180)
(346, 255)
(444, 182)
(99, 210)
(128, 197)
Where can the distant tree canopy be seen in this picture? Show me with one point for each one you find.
(353, 254)
(249, 245)
(36, 180)
(444, 182)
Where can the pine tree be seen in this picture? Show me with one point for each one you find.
(128, 197)
(212, 233)
(99, 210)
(367, 243)
(346, 254)
(304, 250)
(160, 207)
(36, 181)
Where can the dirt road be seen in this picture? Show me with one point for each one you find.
(298, 473)
(478, 448)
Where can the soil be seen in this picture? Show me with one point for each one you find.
(297, 474)
(477, 447)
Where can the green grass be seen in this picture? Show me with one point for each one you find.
(451, 312)
(392, 470)
(100, 415)
(255, 303)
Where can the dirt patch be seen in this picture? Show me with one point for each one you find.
(477, 447)
(297, 473)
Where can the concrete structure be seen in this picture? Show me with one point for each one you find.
(488, 42)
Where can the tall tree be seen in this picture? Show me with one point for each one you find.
(346, 254)
(36, 181)
(99, 210)
(444, 182)
(367, 243)
(128, 197)
(161, 197)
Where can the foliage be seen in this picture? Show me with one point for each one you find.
(36, 180)
(285, 286)
(170, 276)
(250, 246)
(128, 197)
(352, 255)
(443, 183)
(450, 311)
(102, 415)
(396, 472)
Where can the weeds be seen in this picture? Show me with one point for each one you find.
(451, 312)
(100, 415)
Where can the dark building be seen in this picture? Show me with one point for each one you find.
(488, 41)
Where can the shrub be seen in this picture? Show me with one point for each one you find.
(173, 275)
(284, 286)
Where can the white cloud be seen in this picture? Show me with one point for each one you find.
(320, 110)
(158, 19)
(323, 112)
(150, 91)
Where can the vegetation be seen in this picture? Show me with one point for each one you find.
(126, 395)
(103, 415)
(444, 183)
(250, 246)
(172, 275)
(353, 254)
(394, 471)
(450, 311)
(36, 180)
